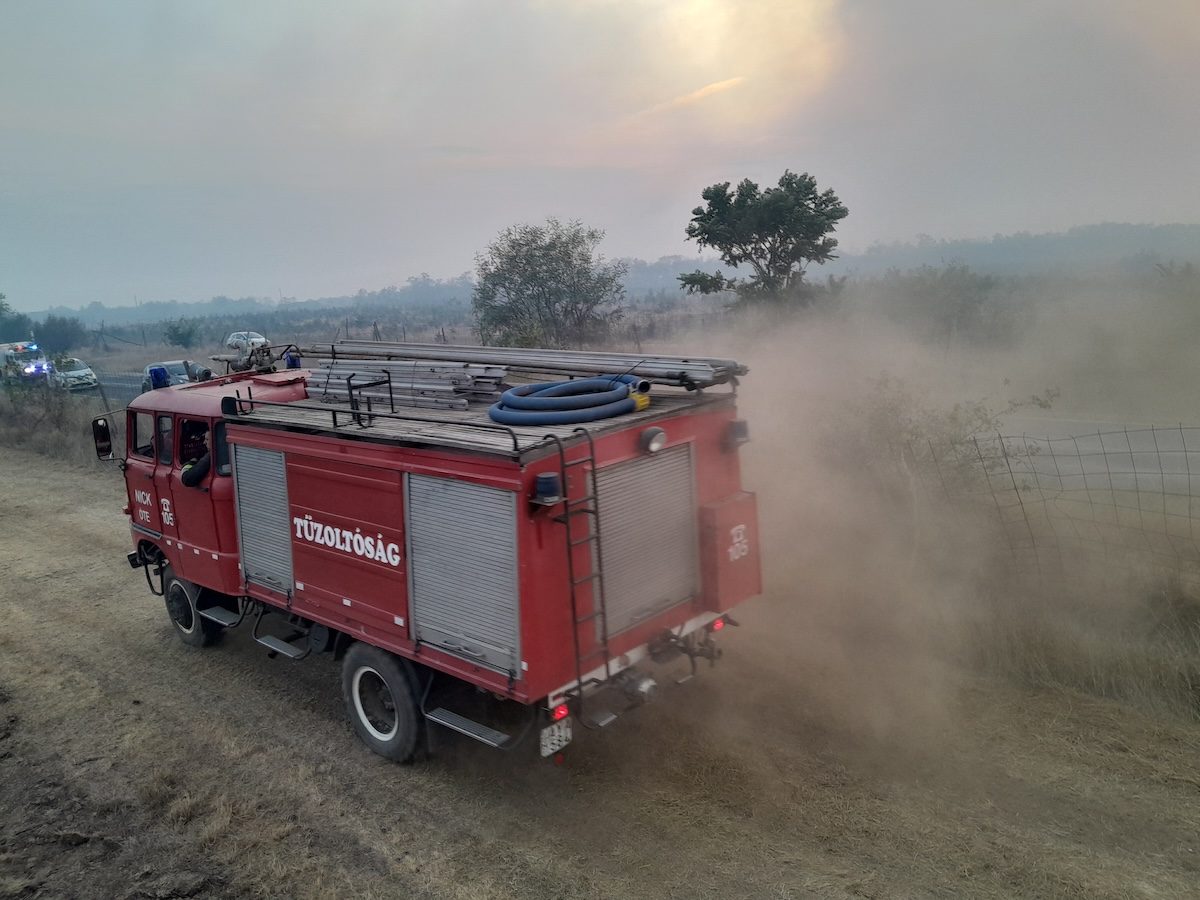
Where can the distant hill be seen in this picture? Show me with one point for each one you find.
(418, 292)
(1088, 248)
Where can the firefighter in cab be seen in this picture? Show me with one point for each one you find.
(193, 447)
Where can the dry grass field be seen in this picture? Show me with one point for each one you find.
(824, 756)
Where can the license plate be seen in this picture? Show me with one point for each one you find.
(556, 736)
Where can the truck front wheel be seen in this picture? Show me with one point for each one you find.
(378, 691)
(180, 597)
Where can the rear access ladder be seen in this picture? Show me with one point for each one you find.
(585, 511)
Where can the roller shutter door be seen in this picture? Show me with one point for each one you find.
(462, 555)
(264, 524)
(648, 535)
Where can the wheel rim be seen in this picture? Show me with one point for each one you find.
(374, 704)
(179, 608)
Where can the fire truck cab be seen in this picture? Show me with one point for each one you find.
(493, 579)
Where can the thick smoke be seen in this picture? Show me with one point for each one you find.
(881, 597)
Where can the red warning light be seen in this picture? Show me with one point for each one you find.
(560, 712)
(718, 624)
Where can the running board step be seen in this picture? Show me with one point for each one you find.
(469, 727)
(220, 615)
(279, 645)
(600, 718)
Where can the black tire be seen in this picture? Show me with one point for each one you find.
(379, 695)
(180, 596)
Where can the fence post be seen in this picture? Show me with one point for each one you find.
(1112, 493)
(1037, 479)
(1162, 488)
(1137, 493)
(1187, 465)
(999, 509)
(103, 396)
(1063, 489)
(1087, 488)
(1037, 557)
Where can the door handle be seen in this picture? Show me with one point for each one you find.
(466, 651)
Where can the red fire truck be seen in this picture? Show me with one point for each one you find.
(494, 579)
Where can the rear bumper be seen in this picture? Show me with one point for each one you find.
(598, 679)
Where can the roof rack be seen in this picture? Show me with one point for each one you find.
(409, 382)
(690, 372)
(368, 410)
(357, 414)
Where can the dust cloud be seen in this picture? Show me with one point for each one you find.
(860, 598)
(1115, 347)
(882, 600)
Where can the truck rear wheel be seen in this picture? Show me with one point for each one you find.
(378, 691)
(180, 598)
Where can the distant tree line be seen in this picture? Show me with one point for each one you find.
(549, 283)
(14, 326)
(1119, 248)
(55, 334)
(946, 305)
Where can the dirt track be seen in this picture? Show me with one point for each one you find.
(131, 765)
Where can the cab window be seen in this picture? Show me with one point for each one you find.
(165, 434)
(141, 434)
(193, 440)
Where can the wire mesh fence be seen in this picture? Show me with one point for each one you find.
(1128, 496)
(119, 388)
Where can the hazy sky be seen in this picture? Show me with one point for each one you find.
(187, 149)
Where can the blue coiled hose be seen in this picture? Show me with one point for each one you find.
(570, 402)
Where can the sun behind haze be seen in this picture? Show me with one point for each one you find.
(171, 150)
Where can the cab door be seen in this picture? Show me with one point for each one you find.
(195, 522)
(164, 457)
(144, 510)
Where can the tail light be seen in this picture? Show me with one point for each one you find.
(720, 622)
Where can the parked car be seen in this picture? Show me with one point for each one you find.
(245, 340)
(180, 371)
(75, 375)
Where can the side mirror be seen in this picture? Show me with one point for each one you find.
(102, 437)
